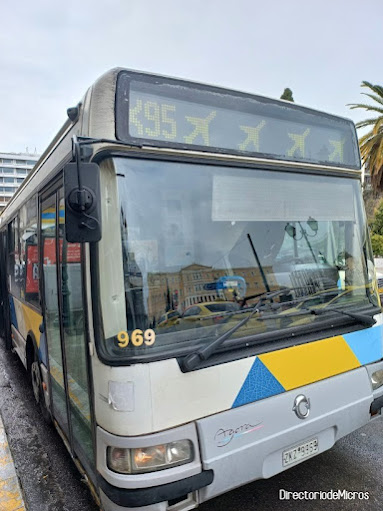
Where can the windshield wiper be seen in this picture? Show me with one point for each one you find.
(193, 359)
(361, 318)
(331, 293)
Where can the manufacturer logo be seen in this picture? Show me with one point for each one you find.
(223, 436)
(301, 406)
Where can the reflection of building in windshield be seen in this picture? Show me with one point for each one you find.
(134, 291)
(193, 284)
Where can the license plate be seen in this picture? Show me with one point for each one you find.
(300, 452)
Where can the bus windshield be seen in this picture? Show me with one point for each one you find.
(201, 243)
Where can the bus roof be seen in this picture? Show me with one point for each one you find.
(145, 109)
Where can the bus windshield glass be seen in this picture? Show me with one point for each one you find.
(200, 243)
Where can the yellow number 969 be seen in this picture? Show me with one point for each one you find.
(137, 338)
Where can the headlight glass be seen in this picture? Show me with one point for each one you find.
(149, 459)
(119, 460)
(377, 379)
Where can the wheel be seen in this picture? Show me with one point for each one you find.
(36, 380)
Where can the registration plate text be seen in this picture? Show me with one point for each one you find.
(300, 452)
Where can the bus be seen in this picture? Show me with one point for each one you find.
(188, 279)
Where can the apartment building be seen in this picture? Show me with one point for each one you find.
(14, 167)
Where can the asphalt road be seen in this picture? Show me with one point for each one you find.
(50, 480)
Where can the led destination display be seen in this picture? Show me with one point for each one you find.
(177, 114)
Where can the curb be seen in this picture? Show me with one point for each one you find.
(11, 498)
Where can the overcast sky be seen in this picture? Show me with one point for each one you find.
(51, 51)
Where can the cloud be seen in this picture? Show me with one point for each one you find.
(51, 52)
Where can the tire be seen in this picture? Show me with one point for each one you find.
(37, 388)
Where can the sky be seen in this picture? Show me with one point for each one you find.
(51, 51)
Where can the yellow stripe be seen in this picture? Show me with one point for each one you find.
(32, 322)
(307, 363)
(27, 320)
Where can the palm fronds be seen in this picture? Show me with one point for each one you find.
(371, 144)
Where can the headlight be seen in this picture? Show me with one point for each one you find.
(149, 459)
(377, 379)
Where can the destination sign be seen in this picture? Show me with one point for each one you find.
(166, 112)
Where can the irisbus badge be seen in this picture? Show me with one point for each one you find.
(224, 436)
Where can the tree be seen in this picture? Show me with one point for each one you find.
(371, 144)
(377, 244)
(288, 95)
(377, 224)
(372, 199)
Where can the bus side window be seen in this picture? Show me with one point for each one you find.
(13, 257)
(29, 253)
(21, 270)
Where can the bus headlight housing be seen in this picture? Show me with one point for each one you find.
(377, 379)
(148, 459)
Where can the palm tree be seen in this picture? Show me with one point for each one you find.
(371, 144)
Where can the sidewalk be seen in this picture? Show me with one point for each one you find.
(10, 493)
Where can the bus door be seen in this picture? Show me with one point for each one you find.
(65, 325)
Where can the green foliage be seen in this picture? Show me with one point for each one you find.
(371, 144)
(377, 223)
(372, 200)
(288, 95)
(377, 244)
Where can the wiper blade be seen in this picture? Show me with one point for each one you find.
(193, 359)
(331, 293)
(361, 318)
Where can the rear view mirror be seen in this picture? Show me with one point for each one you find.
(82, 202)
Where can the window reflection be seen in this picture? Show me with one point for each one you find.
(200, 244)
(23, 262)
(74, 336)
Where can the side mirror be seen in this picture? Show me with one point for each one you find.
(82, 202)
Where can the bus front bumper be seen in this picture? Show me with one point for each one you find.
(157, 497)
(246, 443)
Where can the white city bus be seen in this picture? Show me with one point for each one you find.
(188, 278)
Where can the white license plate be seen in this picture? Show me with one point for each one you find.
(300, 452)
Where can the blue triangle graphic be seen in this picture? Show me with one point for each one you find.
(259, 384)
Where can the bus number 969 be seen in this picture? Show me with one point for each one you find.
(137, 338)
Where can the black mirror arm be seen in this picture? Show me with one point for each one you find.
(82, 202)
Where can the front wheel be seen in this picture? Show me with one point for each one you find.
(37, 387)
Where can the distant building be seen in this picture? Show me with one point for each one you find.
(14, 167)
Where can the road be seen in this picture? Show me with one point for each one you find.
(51, 482)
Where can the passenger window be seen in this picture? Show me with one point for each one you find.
(14, 258)
(29, 252)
